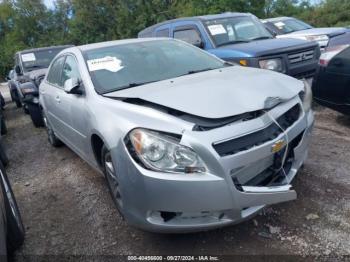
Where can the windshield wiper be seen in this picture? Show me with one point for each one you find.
(260, 38)
(31, 68)
(199, 70)
(233, 42)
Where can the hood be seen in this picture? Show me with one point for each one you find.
(269, 46)
(218, 93)
(36, 73)
(330, 31)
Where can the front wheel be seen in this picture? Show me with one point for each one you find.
(53, 140)
(15, 229)
(112, 178)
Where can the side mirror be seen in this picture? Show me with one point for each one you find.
(7, 78)
(72, 86)
(18, 70)
(199, 43)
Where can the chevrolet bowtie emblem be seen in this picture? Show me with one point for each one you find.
(276, 147)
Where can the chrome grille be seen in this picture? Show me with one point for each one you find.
(301, 56)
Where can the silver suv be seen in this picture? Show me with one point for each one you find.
(186, 141)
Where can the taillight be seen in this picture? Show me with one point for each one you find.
(329, 53)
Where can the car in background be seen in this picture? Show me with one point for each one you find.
(242, 38)
(30, 70)
(11, 226)
(289, 27)
(12, 87)
(331, 87)
(186, 141)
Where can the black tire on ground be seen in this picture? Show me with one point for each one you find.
(3, 155)
(25, 110)
(2, 101)
(3, 126)
(53, 140)
(15, 228)
(12, 96)
(36, 115)
(111, 178)
(18, 103)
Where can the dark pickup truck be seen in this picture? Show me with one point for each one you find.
(242, 38)
(30, 69)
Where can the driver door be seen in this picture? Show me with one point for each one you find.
(73, 109)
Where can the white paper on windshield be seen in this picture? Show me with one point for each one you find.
(280, 24)
(30, 57)
(109, 63)
(217, 29)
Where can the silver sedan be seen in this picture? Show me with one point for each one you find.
(186, 141)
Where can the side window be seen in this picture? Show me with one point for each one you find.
(55, 74)
(163, 33)
(70, 69)
(190, 36)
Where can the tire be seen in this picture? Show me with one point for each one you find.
(12, 96)
(25, 110)
(3, 155)
(3, 126)
(111, 178)
(36, 115)
(18, 103)
(15, 228)
(2, 102)
(53, 140)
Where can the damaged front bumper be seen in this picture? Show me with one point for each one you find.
(236, 187)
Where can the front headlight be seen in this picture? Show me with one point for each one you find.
(306, 96)
(162, 152)
(321, 39)
(271, 64)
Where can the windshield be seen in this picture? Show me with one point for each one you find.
(123, 66)
(39, 59)
(291, 25)
(236, 30)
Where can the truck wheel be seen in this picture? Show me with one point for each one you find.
(18, 103)
(53, 140)
(3, 155)
(36, 115)
(15, 229)
(3, 126)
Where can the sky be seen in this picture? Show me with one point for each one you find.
(49, 3)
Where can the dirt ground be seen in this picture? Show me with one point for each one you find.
(67, 210)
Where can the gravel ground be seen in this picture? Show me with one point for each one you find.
(67, 210)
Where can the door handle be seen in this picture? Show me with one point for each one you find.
(58, 100)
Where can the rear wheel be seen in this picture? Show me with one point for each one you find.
(3, 155)
(15, 229)
(36, 115)
(112, 178)
(53, 140)
(3, 126)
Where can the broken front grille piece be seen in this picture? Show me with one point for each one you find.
(260, 137)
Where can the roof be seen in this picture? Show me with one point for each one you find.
(43, 48)
(118, 42)
(195, 18)
(277, 19)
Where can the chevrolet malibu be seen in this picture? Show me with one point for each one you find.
(186, 141)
